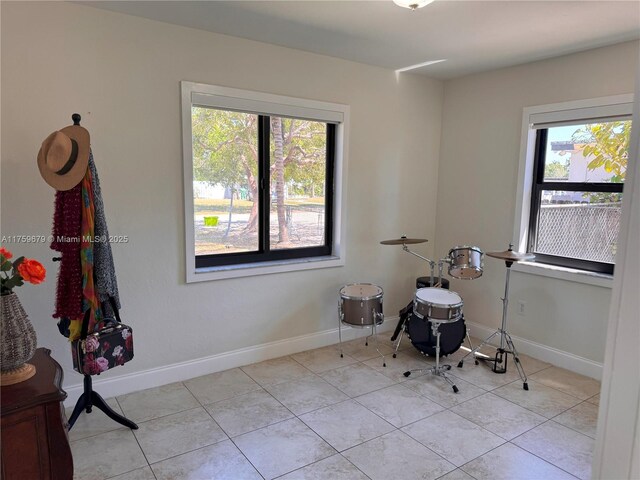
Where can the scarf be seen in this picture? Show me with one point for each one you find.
(90, 300)
(67, 220)
(104, 271)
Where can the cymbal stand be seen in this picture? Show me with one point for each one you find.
(431, 263)
(441, 262)
(438, 370)
(505, 340)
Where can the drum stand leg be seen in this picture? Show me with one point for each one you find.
(501, 352)
(469, 339)
(374, 334)
(516, 359)
(401, 327)
(395, 352)
(438, 369)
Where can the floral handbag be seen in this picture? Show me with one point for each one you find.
(108, 347)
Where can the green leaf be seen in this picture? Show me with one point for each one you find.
(593, 164)
(608, 143)
(17, 262)
(13, 282)
(6, 266)
(608, 166)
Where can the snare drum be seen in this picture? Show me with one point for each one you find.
(437, 305)
(465, 262)
(361, 305)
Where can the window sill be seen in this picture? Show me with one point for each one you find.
(263, 268)
(564, 273)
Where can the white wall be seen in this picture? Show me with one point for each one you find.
(482, 120)
(122, 74)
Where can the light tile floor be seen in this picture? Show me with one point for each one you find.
(314, 415)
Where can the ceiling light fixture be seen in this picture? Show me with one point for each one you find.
(412, 4)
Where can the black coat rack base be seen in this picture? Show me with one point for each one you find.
(90, 399)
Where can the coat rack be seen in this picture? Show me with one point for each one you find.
(89, 397)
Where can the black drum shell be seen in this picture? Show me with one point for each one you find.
(422, 338)
(425, 282)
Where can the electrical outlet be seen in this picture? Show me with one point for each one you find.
(521, 307)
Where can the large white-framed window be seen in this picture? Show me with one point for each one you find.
(573, 161)
(263, 182)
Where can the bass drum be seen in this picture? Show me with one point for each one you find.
(451, 335)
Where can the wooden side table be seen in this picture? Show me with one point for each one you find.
(35, 444)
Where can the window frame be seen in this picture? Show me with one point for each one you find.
(264, 252)
(537, 118)
(539, 186)
(272, 261)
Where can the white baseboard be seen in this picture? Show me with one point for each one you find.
(559, 358)
(155, 377)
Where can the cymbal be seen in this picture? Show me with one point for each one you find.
(403, 241)
(511, 256)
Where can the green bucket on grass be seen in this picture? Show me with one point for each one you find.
(210, 221)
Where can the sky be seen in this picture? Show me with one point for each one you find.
(557, 134)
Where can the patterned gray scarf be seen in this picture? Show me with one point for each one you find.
(103, 269)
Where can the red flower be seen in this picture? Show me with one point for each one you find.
(120, 360)
(128, 343)
(105, 346)
(21, 269)
(32, 271)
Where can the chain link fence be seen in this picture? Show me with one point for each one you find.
(585, 231)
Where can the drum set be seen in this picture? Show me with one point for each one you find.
(465, 263)
(433, 321)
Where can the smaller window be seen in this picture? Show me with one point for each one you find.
(578, 176)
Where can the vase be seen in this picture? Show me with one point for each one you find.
(18, 342)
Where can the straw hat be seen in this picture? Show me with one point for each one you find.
(64, 156)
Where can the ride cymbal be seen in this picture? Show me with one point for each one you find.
(511, 256)
(403, 241)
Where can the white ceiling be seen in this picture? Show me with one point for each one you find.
(472, 36)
